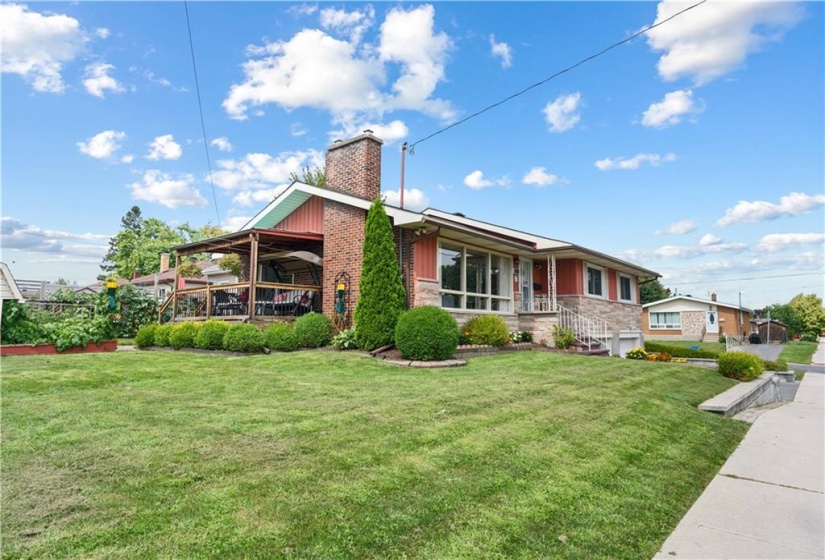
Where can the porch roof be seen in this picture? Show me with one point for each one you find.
(269, 240)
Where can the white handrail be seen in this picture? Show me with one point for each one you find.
(731, 344)
(586, 328)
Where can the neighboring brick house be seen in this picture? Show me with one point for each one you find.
(463, 265)
(690, 318)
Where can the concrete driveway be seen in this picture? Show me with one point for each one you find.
(764, 351)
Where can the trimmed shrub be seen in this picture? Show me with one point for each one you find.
(281, 337)
(183, 335)
(146, 336)
(563, 337)
(426, 333)
(243, 338)
(659, 357)
(487, 329)
(162, 334)
(778, 365)
(740, 365)
(313, 330)
(210, 335)
(723, 339)
(382, 297)
(636, 354)
(521, 336)
(345, 340)
(680, 351)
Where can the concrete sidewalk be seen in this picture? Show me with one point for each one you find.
(819, 356)
(768, 500)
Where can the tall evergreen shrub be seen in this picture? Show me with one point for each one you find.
(382, 298)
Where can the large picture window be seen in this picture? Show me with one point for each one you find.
(666, 320)
(473, 279)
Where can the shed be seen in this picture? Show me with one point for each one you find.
(778, 331)
(8, 286)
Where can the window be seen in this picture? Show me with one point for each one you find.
(626, 288)
(666, 320)
(473, 279)
(594, 276)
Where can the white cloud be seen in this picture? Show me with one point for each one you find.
(539, 177)
(414, 199)
(235, 223)
(684, 252)
(36, 46)
(167, 190)
(97, 80)
(314, 69)
(354, 24)
(775, 242)
(102, 32)
(678, 228)
(389, 133)
(502, 51)
(561, 114)
(409, 38)
(709, 239)
(297, 130)
(792, 204)
(262, 171)
(716, 38)
(670, 110)
(15, 234)
(150, 75)
(128, 158)
(655, 160)
(251, 198)
(222, 144)
(164, 147)
(102, 145)
(476, 181)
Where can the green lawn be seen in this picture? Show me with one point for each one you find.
(708, 346)
(328, 455)
(798, 352)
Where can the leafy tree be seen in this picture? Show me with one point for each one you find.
(382, 297)
(653, 291)
(810, 311)
(135, 309)
(784, 313)
(316, 177)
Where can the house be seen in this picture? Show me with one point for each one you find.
(690, 318)
(8, 287)
(98, 287)
(465, 266)
(162, 283)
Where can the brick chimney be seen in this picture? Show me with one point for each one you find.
(713, 296)
(164, 262)
(352, 167)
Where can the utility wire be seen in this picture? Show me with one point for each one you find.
(200, 110)
(557, 74)
(751, 278)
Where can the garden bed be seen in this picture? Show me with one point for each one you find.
(44, 349)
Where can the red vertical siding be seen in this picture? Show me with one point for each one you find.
(425, 258)
(611, 285)
(540, 277)
(569, 277)
(307, 217)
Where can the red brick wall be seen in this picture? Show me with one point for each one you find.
(343, 249)
(354, 166)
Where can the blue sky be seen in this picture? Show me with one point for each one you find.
(695, 150)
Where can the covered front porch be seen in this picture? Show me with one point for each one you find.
(280, 275)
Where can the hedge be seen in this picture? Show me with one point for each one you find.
(680, 351)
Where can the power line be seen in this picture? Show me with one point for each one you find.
(744, 279)
(200, 110)
(557, 74)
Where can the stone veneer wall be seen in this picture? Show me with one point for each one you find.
(426, 293)
(693, 324)
(619, 316)
(540, 324)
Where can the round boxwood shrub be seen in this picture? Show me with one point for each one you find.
(146, 336)
(243, 338)
(210, 335)
(487, 329)
(183, 335)
(313, 330)
(162, 335)
(281, 337)
(426, 333)
(740, 365)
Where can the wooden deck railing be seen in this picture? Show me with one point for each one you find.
(232, 302)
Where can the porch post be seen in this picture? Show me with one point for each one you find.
(175, 287)
(551, 280)
(253, 274)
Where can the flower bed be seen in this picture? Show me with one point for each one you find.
(39, 349)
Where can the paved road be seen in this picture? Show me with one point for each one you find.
(764, 351)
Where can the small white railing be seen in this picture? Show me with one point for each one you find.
(731, 344)
(588, 329)
(542, 304)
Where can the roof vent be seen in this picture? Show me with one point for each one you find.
(459, 214)
(367, 131)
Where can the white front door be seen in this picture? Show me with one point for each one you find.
(526, 276)
(711, 322)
